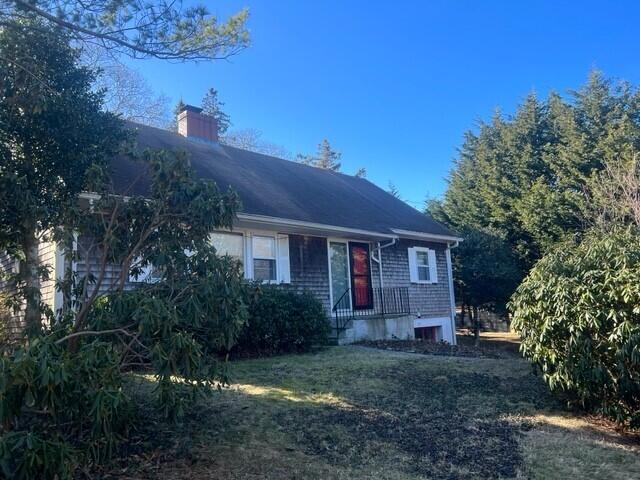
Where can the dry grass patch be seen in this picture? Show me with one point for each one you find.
(360, 413)
(563, 446)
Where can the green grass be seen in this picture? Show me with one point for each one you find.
(358, 413)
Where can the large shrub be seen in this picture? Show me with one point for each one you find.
(282, 321)
(181, 323)
(578, 313)
(59, 410)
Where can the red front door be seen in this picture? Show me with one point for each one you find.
(362, 292)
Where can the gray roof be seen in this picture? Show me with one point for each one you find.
(281, 188)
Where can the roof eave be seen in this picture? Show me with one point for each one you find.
(311, 228)
(426, 236)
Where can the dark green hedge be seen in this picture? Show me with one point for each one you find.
(282, 321)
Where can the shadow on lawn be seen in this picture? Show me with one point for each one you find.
(440, 423)
(444, 419)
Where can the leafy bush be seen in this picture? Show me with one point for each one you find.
(63, 400)
(282, 321)
(578, 313)
(177, 326)
(60, 410)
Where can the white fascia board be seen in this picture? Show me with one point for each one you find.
(320, 228)
(426, 236)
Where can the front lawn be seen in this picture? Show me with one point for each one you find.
(357, 412)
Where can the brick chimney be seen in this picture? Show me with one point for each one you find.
(192, 123)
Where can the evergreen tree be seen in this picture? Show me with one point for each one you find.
(393, 190)
(176, 111)
(527, 176)
(211, 105)
(53, 132)
(153, 29)
(325, 158)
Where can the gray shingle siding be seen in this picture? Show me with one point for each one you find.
(429, 300)
(309, 263)
(308, 258)
(310, 271)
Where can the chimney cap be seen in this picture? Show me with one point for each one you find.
(191, 108)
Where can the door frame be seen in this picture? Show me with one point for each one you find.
(332, 301)
(369, 305)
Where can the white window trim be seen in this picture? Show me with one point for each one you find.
(431, 265)
(283, 267)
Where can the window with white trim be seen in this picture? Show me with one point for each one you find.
(231, 244)
(422, 265)
(264, 258)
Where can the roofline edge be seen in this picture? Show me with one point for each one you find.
(426, 236)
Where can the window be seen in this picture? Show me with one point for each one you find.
(264, 258)
(231, 244)
(430, 334)
(422, 265)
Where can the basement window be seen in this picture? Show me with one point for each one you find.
(429, 334)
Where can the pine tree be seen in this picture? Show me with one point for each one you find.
(325, 158)
(176, 111)
(393, 190)
(361, 173)
(526, 178)
(211, 105)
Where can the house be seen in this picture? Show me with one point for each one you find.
(381, 268)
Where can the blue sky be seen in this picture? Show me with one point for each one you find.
(394, 85)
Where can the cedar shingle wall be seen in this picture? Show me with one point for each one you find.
(308, 258)
(430, 300)
(310, 271)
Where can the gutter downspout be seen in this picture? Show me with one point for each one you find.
(452, 298)
(379, 259)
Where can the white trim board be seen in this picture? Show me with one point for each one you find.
(425, 236)
(322, 229)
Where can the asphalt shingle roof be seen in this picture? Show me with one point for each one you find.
(281, 188)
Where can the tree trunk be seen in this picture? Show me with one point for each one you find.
(476, 324)
(31, 283)
(462, 315)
